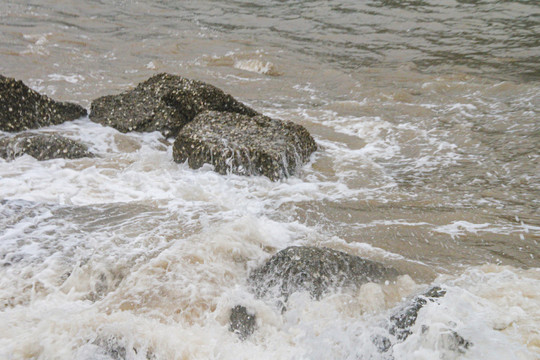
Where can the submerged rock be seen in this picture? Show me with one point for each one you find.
(113, 348)
(162, 103)
(405, 318)
(42, 147)
(22, 108)
(316, 270)
(244, 145)
(241, 322)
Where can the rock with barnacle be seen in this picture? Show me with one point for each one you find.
(244, 145)
(315, 270)
(162, 103)
(42, 147)
(22, 108)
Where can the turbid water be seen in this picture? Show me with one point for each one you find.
(426, 114)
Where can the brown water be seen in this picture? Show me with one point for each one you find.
(427, 118)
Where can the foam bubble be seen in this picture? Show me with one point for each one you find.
(256, 65)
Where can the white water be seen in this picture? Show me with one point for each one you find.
(426, 117)
(132, 254)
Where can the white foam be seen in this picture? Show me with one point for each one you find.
(257, 66)
(130, 250)
(462, 227)
(72, 79)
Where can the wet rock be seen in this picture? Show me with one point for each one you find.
(316, 270)
(22, 108)
(241, 322)
(162, 103)
(403, 320)
(244, 145)
(455, 342)
(42, 147)
(113, 348)
(381, 342)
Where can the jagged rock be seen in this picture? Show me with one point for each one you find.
(241, 322)
(22, 108)
(316, 270)
(402, 321)
(42, 147)
(244, 145)
(162, 103)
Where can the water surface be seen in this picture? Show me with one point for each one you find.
(426, 116)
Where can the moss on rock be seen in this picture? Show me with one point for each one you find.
(22, 108)
(162, 103)
(244, 145)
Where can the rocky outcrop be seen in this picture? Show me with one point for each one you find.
(162, 103)
(22, 108)
(42, 147)
(244, 145)
(315, 270)
(241, 322)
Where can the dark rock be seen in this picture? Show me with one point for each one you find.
(455, 342)
(381, 342)
(162, 103)
(42, 147)
(316, 270)
(22, 108)
(244, 145)
(241, 322)
(402, 321)
(114, 348)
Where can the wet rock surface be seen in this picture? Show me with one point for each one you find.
(42, 147)
(162, 103)
(22, 108)
(405, 318)
(402, 320)
(244, 145)
(113, 348)
(316, 270)
(241, 322)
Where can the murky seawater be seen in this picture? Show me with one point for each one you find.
(427, 118)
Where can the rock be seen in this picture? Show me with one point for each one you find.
(402, 321)
(316, 270)
(113, 348)
(162, 103)
(382, 343)
(455, 342)
(42, 147)
(22, 108)
(241, 322)
(244, 145)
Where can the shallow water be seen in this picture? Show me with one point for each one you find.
(426, 115)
